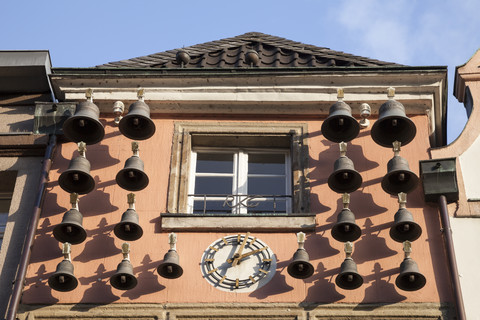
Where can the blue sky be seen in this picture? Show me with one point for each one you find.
(88, 33)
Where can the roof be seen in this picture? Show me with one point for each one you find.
(249, 50)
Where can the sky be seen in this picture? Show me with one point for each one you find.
(88, 33)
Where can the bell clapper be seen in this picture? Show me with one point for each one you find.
(365, 112)
(118, 108)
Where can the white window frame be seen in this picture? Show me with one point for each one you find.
(240, 176)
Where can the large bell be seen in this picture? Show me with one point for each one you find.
(128, 228)
(84, 124)
(77, 177)
(170, 267)
(399, 177)
(344, 179)
(340, 125)
(410, 279)
(63, 279)
(132, 177)
(349, 278)
(70, 229)
(137, 124)
(346, 229)
(393, 125)
(124, 279)
(300, 268)
(404, 228)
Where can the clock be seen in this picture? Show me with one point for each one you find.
(238, 263)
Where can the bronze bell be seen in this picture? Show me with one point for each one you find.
(404, 228)
(410, 279)
(399, 177)
(77, 177)
(63, 279)
(170, 267)
(137, 124)
(340, 125)
(392, 124)
(345, 178)
(70, 229)
(124, 279)
(300, 267)
(346, 229)
(132, 177)
(128, 228)
(84, 124)
(349, 278)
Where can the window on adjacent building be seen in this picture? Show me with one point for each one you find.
(7, 184)
(239, 181)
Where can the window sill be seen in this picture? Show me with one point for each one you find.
(257, 222)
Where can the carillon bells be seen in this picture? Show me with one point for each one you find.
(392, 124)
(124, 279)
(399, 177)
(137, 124)
(132, 177)
(410, 278)
(300, 267)
(344, 177)
(128, 228)
(346, 229)
(63, 278)
(77, 178)
(349, 278)
(71, 229)
(84, 124)
(340, 125)
(170, 267)
(404, 228)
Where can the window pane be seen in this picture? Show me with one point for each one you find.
(268, 206)
(266, 163)
(214, 162)
(213, 185)
(211, 206)
(266, 185)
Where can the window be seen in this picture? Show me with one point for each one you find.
(238, 175)
(6, 191)
(239, 181)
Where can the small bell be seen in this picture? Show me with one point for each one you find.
(344, 179)
(170, 267)
(410, 278)
(71, 229)
(346, 229)
(128, 228)
(77, 178)
(132, 177)
(63, 279)
(124, 279)
(300, 267)
(348, 278)
(137, 124)
(399, 177)
(404, 228)
(340, 125)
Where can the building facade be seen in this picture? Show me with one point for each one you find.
(234, 157)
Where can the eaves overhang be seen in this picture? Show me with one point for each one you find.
(282, 91)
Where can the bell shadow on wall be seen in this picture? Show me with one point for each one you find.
(371, 246)
(53, 207)
(112, 123)
(99, 156)
(318, 246)
(147, 279)
(361, 204)
(380, 288)
(323, 288)
(100, 292)
(277, 284)
(46, 244)
(39, 288)
(102, 244)
(98, 201)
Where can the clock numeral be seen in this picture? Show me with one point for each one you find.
(266, 260)
(209, 260)
(225, 241)
(252, 279)
(213, 248)
(223, 279)
(236, 283)
(215, 270)
(264, 271)
(238, 238)
(252, 241)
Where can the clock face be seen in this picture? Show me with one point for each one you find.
(238, 263)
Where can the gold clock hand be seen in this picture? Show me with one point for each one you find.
(247, 254)
(239, 252)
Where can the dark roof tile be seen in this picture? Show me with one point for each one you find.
(229, 53)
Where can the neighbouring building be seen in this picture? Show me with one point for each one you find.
(238, 140)
(23, 81)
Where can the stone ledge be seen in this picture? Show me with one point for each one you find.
(258, 223)
(236, 311)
